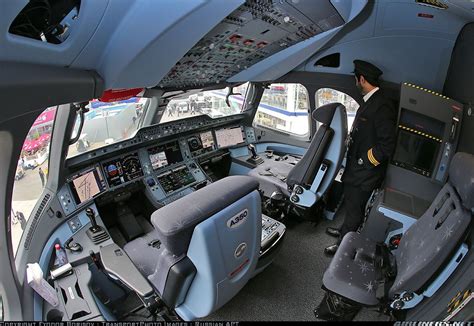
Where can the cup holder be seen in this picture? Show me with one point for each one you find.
(54, 315)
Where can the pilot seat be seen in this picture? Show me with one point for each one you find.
(306, 182)
(206, 246)
(366, 273)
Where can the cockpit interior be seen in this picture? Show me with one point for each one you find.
(181, 160)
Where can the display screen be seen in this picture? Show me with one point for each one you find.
(123, 169)
(87, 184)
(164, 155)
(176, 179)
(422, 123)
(416, 152)
(207, 139)
(158, 160)
(202, 143)
(229, 137)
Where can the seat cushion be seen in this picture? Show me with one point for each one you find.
(144, 252)
(351, 273)
(271, 175)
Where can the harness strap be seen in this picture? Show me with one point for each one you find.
(385, 271)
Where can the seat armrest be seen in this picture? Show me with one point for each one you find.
(117, 263)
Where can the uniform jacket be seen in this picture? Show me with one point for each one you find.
(372, 143)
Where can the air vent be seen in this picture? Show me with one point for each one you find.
(432, 3)
(332, 61)
(48, 21)
(35, 221)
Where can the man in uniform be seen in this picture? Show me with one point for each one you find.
(370, 144)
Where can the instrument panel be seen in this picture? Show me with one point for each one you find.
(201, 143)
(168, 168)
(163, 155)
(122, 169)
(175, 179)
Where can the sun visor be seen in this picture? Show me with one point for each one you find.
(114, 95)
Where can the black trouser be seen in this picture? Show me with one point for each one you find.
(355, 200)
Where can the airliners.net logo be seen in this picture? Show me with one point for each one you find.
(434, 323)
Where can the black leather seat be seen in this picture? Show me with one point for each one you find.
(311, 177)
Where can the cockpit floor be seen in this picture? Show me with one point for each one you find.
(290, 288)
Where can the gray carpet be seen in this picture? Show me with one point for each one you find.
(290, 288)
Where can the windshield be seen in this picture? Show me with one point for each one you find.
(211, 103)
(107, 123)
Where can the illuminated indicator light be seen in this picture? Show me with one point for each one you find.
(262, 44)
(248, 42)
(234, 38)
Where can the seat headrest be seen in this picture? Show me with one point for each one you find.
(325, 113)
(461, 177)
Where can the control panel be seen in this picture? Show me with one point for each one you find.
(176, 182)
(271, 231)
(428, 132)
(122, 169)
(255, 31)
(168, 169)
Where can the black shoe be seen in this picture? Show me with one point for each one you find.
(333, 232)
(331, 250)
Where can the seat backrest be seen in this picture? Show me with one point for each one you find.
(218, 228)
(328, 145)
(432, 239)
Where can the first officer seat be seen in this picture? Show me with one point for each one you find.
(306, 182)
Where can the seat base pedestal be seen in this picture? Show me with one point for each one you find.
(336, 308)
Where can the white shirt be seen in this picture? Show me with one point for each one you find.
(369, 94)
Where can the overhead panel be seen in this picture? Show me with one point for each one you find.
(253, 32)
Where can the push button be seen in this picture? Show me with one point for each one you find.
(151, 182)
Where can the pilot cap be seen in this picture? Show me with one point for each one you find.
(367, 69)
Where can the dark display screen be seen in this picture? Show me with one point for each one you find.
(176, 179)
(164, 155)
(123, 169)
(422, 123)
(416, 152)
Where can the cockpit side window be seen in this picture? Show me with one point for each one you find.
(284, 107)
(213, 103)
(329, 95)
(31, 173)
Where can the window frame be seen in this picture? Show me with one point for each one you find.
(304, 137)
(40, 195)
(340, 91)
